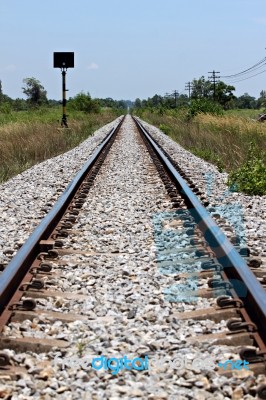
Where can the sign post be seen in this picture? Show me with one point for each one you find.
(64, 61)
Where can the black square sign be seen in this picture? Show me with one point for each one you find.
(64, 60)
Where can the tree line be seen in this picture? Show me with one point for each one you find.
(203, 91)
(36, 96)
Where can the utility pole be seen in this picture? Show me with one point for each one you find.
(167, 96)
(188, 87)
(175, 93)
(214, 79)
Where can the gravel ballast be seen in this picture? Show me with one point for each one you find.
(115, 267)
(247, 214)
(26, 198)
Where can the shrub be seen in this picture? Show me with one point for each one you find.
(204, 106)
(5, 108)
(83, 102)
(250, 177)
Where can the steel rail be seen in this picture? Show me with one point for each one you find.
(235, 266)
(12, 275)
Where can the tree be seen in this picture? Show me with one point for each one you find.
(223, 94)
(155, 101)
(115, 104)
(108, 102)
(83, 102)
(19, 104)
(5, 101)
(168, 100)
(201, 88)
(182, 100)
(121, 104)
(174, 100)
(246, 101)
(261, 102)
(205, 89)
(34, 91)
(137, 103)
(1, 91)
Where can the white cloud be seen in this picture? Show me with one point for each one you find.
(260, 20)
(93, 65)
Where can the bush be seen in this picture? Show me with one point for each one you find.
(83, 102)
(250, 178)
(5, 108)
(204, 106)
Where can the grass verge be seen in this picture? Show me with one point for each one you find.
(234, 144)
(27, 138)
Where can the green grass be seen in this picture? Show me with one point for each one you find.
(246, 113)
(210, 156)
(42, 114)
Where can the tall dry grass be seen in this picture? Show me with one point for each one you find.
(23, 144)
(223, 140)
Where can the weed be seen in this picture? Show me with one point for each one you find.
(165, 129)
(250, 178)
(82, 344)
(81, 347)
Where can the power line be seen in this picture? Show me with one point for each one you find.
(247, 72)
(258, 64)
(240, 80)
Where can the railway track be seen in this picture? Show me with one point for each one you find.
(71, 283)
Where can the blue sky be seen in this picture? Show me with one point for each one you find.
(126, 50)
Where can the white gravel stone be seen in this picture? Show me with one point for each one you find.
(247, 214)
(23, 197)
(116, 264)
